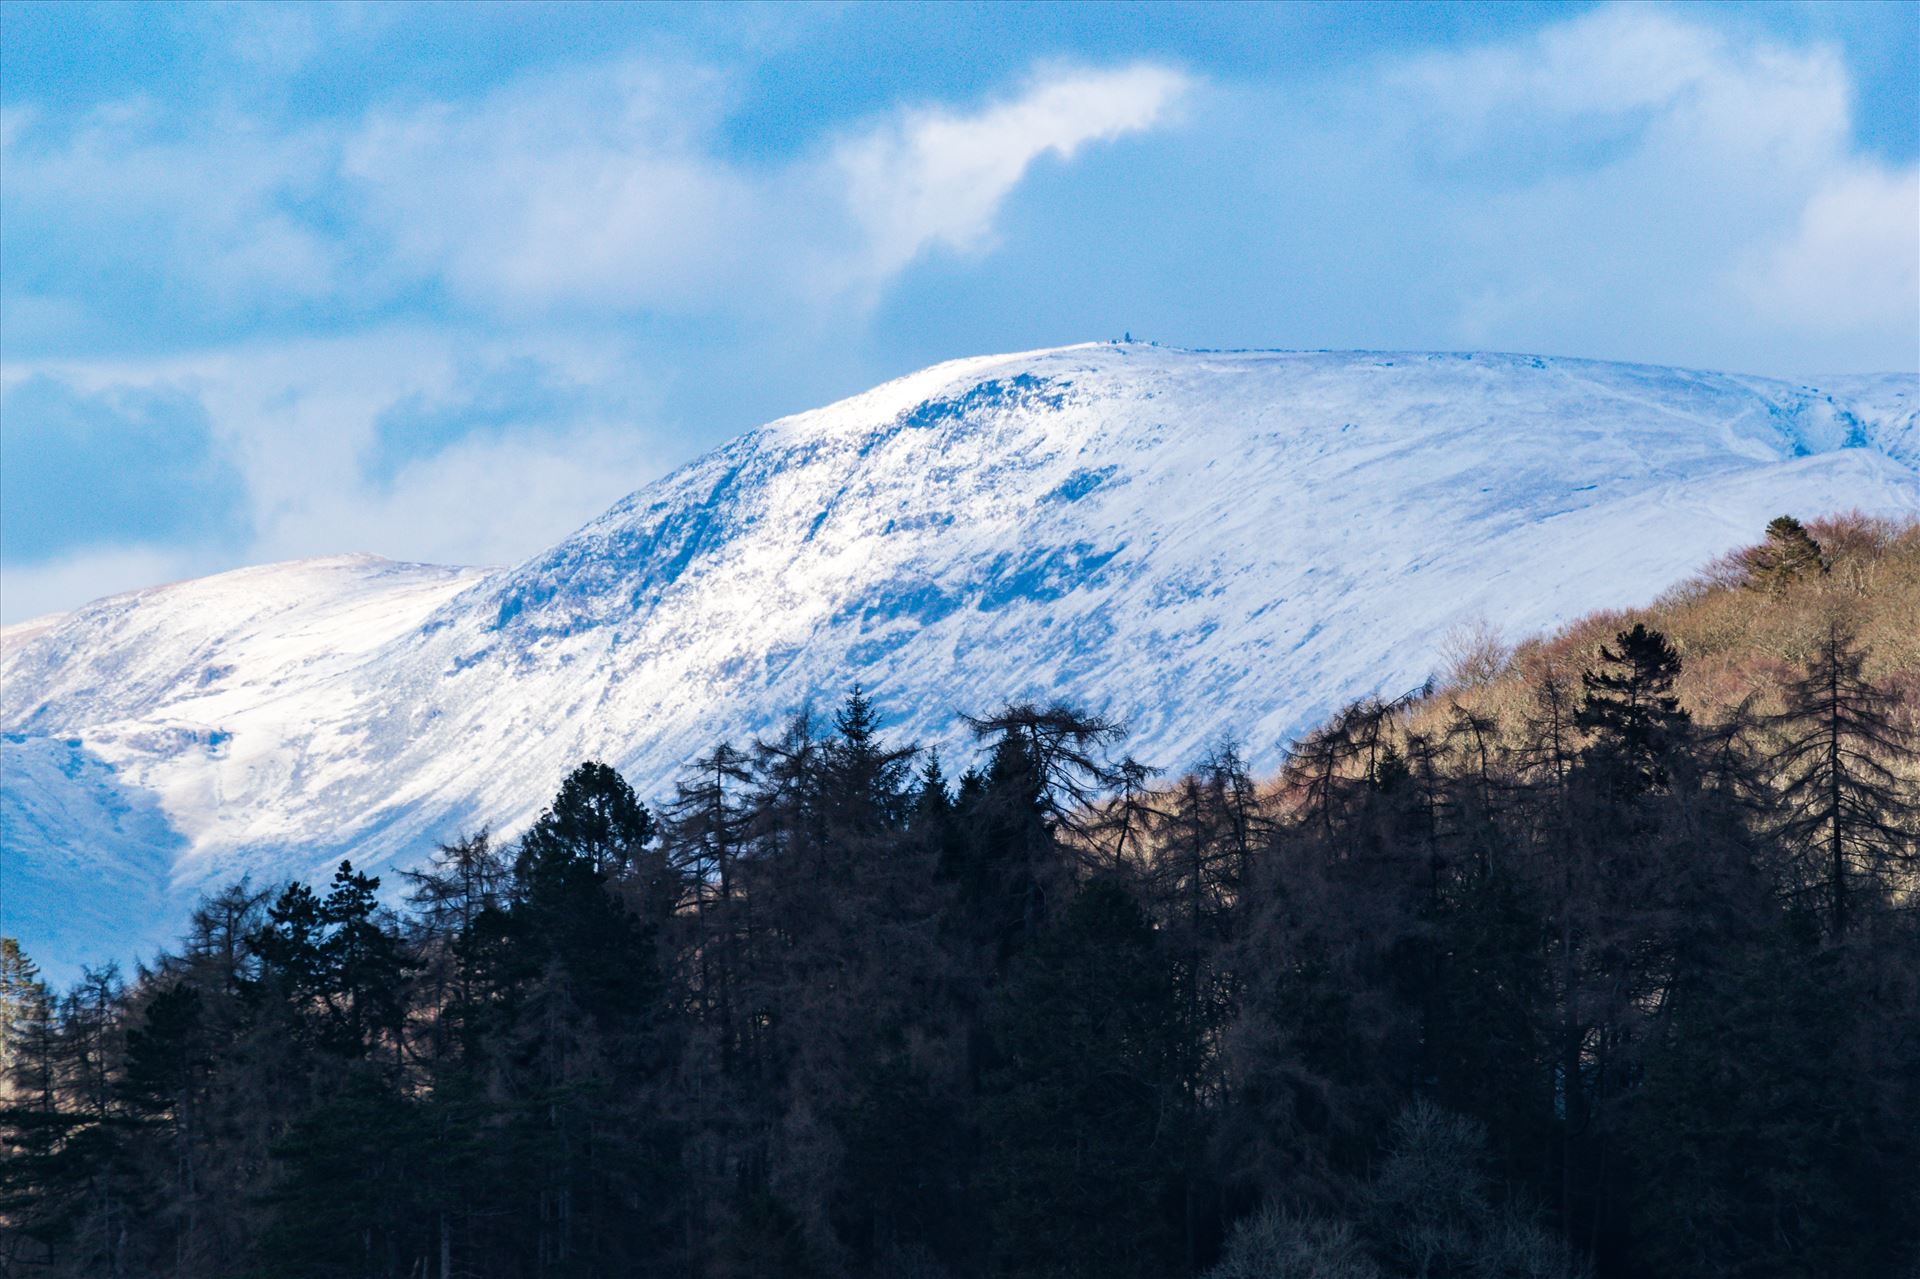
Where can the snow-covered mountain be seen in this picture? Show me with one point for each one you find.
(1201, 544)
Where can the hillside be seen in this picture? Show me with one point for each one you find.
(1739, 644)
(1139, 530)
(1597, 961)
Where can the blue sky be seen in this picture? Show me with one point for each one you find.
(441, 282)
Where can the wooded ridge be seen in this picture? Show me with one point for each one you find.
(1595, 956)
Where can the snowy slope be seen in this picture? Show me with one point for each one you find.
(1201, 544)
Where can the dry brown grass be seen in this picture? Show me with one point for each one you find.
(1738, 644)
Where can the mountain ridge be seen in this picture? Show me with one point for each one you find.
(1132, 527)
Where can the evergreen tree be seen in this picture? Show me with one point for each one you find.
(168, 1087)
(864, 780)
(1082, 1175)
(335, 964)
(595, 818)
(351, 1201)
(1788, 554)
(1001, 869)
(837, 1016)
(1631, 711)
(1764, 1139)
(42, 1170)
(581, 1036)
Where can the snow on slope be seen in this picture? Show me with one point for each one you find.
(1201, 544)
(115, 737)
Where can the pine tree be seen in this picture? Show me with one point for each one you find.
(1044, 779)
(932, 813)
(167, 1082)
(211, 1078)
(351, 1201)
(1062, 758)
(1000, 865)
(41, 1182)
(595, 817)
(336, 965)
(1631, 711)
(850, 1018)
(1203, 833)
(576, 1011)
(865, 780)
(1788, 554)
(1081, 1172)
(1764, 1140)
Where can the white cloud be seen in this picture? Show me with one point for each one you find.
(304, 422)
(218, 213)
(1633, 182)
(1680, 84)
(544, 210)
(488, 500)
(590, 188)
(1852, 263)
(936, 178)
(1697, 189)
(603, 188)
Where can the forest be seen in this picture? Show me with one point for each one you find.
(1596, 956)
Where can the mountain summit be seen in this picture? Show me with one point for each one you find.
(1140, 530)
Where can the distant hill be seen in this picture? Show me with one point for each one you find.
(1201, 544)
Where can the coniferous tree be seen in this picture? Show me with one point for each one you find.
(1083, 1177)
(352, 1200)
(168, 1087)
(1631, 711)
(865, 779)
(1788, 554)
(332, 976)
(1762, 1138)
(1045, 772)
(335, 965)
(465, 881)
(38, 1192)
(211, 1080)
(1469, 955)
(1614, 911)
(708, 830)
(582, 1034)
(595, 818)
(1851, 818)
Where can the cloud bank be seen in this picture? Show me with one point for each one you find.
(453, 325)
(593, 193)
(1642, 154)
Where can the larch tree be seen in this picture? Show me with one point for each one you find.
(1848, 812)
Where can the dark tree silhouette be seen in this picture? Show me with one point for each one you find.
(1848, 814)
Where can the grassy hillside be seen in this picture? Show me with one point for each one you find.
(1741, 633)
